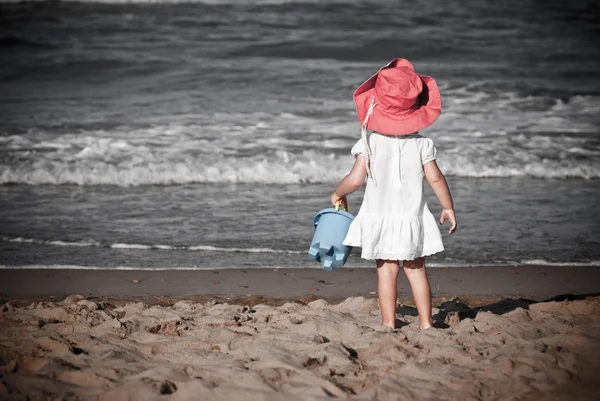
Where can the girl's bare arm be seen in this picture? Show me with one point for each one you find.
(438, 183)
(352, 181)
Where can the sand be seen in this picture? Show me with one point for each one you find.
(79, 349)
(313, 348)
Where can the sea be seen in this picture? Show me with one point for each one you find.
(207, 134)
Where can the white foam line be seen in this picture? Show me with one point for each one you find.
(206, 248)
(63, 243)
(136, 268)
(130, 246)
(206, 2)
(248, 250)
(50, 242)
(546, 263)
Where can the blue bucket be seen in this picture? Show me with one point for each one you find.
(331, 227)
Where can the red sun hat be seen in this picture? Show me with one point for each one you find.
(402, 101)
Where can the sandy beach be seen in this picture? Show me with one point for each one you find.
(297, 334)
(162, 164)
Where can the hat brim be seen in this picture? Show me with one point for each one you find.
(386, 122)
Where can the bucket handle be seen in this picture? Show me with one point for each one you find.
(343, 202)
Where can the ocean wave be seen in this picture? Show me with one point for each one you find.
(541, 168)
(161, 247)
(503, 138)
(286, 169)
(283, 168)
(302, 172)
(88, 160)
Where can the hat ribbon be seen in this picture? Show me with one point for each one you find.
(363, 135)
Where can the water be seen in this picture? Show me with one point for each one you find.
(208, 134)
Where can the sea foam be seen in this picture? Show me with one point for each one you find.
(123, 164)
(162, 247)
(207, 2)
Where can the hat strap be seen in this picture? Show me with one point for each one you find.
(363, 135)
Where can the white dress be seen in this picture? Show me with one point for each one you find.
(394, 222)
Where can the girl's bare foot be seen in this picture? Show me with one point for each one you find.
(390, 325)
(425, 325)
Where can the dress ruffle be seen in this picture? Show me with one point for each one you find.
(396, 237)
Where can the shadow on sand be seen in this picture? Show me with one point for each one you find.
(456, 310)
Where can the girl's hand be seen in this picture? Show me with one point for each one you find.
(449, 214)
(335, 198)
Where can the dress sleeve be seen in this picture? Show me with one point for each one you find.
(428, 151)
(358, 148)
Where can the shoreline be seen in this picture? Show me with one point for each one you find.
(313, 266)
(527, 281)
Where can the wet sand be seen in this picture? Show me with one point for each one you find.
(534, 282)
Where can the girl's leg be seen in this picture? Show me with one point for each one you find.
(417, 276)
(387, 275)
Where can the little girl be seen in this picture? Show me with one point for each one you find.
(394, 223)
